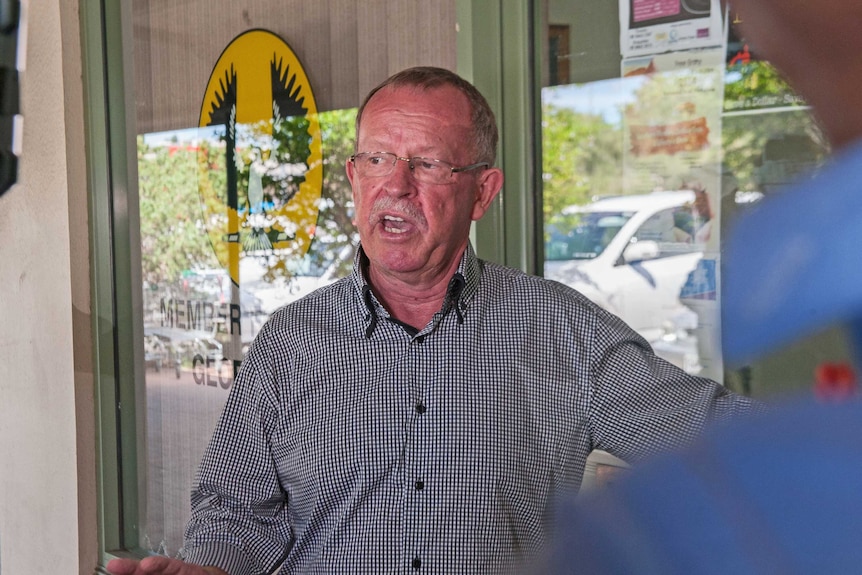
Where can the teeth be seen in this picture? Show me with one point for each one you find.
(390, 229)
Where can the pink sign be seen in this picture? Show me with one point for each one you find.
(651, 9)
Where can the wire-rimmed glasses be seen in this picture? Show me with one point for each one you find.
(428, 170)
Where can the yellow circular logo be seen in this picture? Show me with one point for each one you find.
(260, 108)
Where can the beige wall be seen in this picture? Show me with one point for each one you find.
(346, 47)
(47, 482)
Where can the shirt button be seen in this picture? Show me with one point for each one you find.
(417, 563)
(420, 408)
(419, 485)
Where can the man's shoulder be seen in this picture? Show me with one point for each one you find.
(320, 302)
(516, 281)
(517, 293)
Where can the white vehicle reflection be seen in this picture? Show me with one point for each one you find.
(631, 255)
(182, 348)
(197, 326)
(160, 352)
(305, 276)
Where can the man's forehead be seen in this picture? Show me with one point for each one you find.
(408, 111)
(445, 101)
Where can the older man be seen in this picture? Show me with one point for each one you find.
(422, 414)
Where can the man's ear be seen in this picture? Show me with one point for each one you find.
(349, 168)
(490, 184)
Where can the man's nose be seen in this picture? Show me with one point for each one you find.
(401, 180)
(404, 164)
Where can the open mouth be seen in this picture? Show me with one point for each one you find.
(394, 224)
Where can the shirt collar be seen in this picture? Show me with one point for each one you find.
(462, 287)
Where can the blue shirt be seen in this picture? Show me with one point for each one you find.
(792, 263)
(776, 493)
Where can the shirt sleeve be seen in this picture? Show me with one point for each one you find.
(239, 519)
(641, 404)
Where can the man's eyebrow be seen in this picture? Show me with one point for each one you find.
(431, 152)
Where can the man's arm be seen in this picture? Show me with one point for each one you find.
(159, 566)
(641, 404)
(239, 517)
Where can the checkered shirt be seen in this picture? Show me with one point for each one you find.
(351, 444)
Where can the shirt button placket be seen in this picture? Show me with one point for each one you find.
(416, 498)
(419, 484)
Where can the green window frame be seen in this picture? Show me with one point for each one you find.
(113, 235)
(504, 68)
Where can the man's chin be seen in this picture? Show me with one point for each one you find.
(394, 258)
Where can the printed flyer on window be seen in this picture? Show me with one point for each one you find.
(672, 141)
(658, 26)
(672, 126)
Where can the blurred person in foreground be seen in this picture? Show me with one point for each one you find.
(420, 415)
(780, 493)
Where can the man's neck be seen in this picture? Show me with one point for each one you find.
(411, 299)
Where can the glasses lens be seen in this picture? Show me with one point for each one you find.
(430, 171)
(374, 164)
(380, 164)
